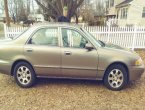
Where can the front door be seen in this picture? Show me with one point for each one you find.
(44, 53)
(77, 62)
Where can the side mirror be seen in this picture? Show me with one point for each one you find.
(89, 46)
(31, 41)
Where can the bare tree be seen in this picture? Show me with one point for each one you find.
(28, 7)
(100, 9)
(17, 8)
(20, 9)
(87, 12)
(2, 5)
(54, 8)
(7, 13)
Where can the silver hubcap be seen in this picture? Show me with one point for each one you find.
(115, 78)
(24, 75)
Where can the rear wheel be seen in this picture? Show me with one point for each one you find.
(116, 77)
(24, 75)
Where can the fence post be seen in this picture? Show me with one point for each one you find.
(109, 27)
(83, 26)
(134, 37)
(5, 30)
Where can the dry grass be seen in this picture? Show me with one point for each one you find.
(1, 28)
(50, 94)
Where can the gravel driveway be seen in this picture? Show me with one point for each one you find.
(54, 94)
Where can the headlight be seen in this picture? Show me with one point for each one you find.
(138, 62)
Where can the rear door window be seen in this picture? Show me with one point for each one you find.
(45, 36)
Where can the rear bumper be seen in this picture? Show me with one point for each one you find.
(135, 72)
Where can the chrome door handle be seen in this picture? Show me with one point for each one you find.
(67, 53)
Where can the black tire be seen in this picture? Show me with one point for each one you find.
(24, 75)
(116, 82)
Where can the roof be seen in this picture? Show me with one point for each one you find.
(124, 3)
(55, 24)
(36, 15)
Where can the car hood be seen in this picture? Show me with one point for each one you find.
(5, 40)
(120, 50)
(110, 45)
(115, 47)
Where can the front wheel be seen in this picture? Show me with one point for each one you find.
(116, 77)
(24, 75)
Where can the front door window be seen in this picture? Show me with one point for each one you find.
(72, 38)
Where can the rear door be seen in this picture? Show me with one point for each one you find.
(44, 52)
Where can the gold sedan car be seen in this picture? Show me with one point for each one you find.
(67, 51)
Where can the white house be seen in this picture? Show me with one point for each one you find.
(129, 12)
(36, 17)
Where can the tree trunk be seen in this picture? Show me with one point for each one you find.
(77, 20)
(6, 12)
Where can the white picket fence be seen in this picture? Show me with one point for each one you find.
(131, 37)
(13, 31)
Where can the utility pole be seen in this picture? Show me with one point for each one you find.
(33, 10)
(28, 7)
(6, 12)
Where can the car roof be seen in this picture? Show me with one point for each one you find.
(57, 24)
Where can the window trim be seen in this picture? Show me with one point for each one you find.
(124, 13)
(74, 29)
(30, 37)
(112, 3)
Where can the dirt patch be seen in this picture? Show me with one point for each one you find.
(54, 94)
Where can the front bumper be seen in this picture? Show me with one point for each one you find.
(135, 72)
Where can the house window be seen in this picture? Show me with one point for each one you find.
(143, 13)
(111, 3)
(124, 12)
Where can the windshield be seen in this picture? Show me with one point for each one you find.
(99, 43)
